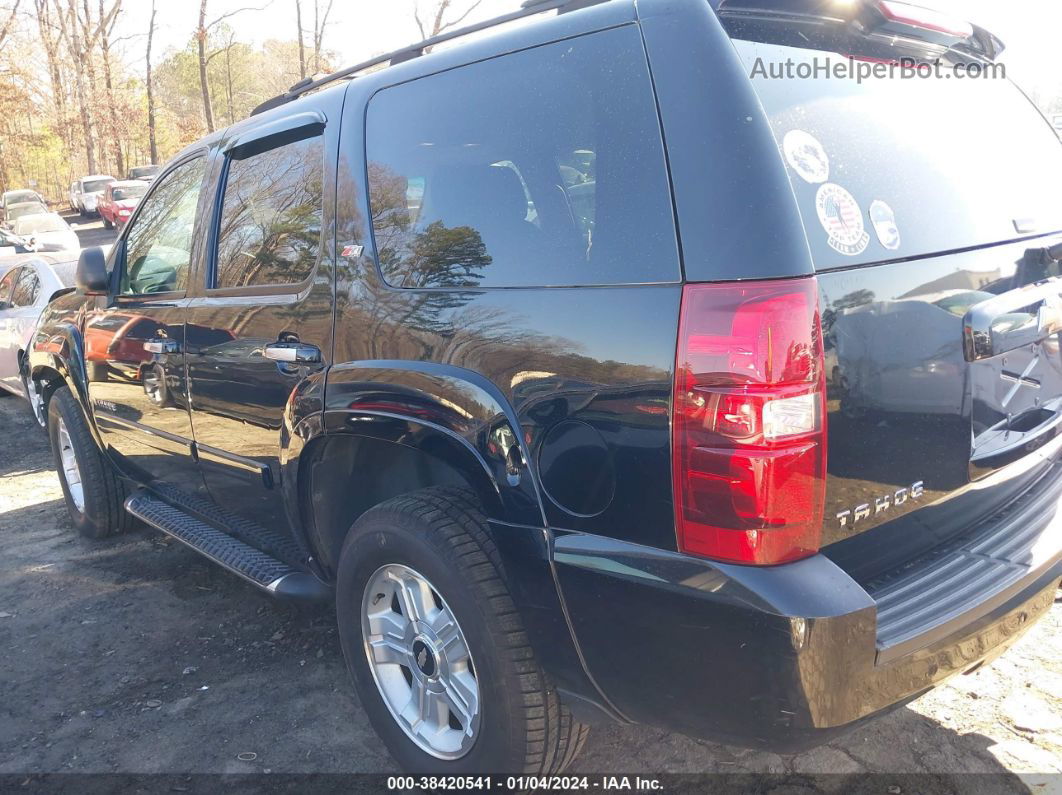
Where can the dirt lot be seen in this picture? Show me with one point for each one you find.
(136, 655)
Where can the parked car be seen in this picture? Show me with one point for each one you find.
(49, 231)
(143, 173)
(20, 197)
(73, 193)
(119, 200)
(26, 286)
(90, 190)
(11, 244)
(563, 458)
(15, 211)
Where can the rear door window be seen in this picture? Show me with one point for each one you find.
(543, 167)
(898, 168)
(270, 227)
(27, 288)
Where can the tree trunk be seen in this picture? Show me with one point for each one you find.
(112, 105)
(201, 35)
(150, 91)
(302, 47)
(319, 22)
(84, 106)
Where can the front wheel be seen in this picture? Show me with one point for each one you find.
(106, 222)
(436, 648)
(93, 492)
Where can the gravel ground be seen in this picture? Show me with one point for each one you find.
(135, 655)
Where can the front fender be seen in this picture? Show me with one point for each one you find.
(59, 347)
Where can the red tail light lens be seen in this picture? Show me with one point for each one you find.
(924, 19)
(749, 428)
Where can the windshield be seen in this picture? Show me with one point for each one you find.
(19, 197)
(20, 210)
(34, 224)
(143, 171)
(124, 194)
(892, 168)
(96, 185)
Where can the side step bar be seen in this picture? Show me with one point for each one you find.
(271, 575)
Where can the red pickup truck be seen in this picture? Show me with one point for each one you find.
(119, 200)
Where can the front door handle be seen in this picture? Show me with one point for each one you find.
(162, 345)
(292, 352)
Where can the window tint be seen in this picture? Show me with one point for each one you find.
(543, 167)
(27, 287)
(270, 227)
(891, 168)
(159, 244)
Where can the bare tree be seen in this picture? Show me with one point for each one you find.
(105, 33)
(319, 22)
(438, 19)
(8, 22)
(302, 47)
(152, 143)
(202, 32)
(69, 30)
(49, 35)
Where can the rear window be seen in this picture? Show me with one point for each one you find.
(898, 168)
(543, 167)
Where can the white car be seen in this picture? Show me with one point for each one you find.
(25, 289)
(90, 189)
(75, 191)
(20, 197)
(49, 231)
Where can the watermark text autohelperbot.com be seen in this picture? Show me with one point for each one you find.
(861, 70)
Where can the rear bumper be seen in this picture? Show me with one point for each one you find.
(785, 657)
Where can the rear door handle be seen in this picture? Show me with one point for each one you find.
(162, 346)
(290, 352)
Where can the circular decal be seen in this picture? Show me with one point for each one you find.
(806, 156)
(884, 220)
(842, 219)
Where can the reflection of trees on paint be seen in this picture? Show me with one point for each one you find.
(271, 228)
(432, 256)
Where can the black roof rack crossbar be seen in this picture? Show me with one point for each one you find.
(527, 8)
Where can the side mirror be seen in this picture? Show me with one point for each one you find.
(91, 274)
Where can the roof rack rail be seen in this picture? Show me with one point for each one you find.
(527, 8)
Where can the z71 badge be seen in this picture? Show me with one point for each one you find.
(881, 504)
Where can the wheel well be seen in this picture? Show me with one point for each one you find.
(48, 379)
(348, 474)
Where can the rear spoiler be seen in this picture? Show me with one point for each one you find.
(875, 19)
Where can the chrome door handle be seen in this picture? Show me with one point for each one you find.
(298, 352)
(162, 346)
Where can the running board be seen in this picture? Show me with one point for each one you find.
(271, 575)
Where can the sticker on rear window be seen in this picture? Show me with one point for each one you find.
(807, 156)
(841, 217)
(884, 220)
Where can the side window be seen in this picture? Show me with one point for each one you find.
(27, 288)
(270, 227)
(543, 167)
(158, 248)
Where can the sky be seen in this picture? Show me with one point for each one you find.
(359, 29)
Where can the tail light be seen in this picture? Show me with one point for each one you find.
(749, 427)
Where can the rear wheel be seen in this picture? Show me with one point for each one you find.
(154, 383)
(436, 648)
(93, 492)
(106, 222)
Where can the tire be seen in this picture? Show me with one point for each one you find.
(439, 535)
(106, 224)
(99, 512)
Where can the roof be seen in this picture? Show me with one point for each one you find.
(96, 176)
(130, 183)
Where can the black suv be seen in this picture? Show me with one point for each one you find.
(631, 365)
